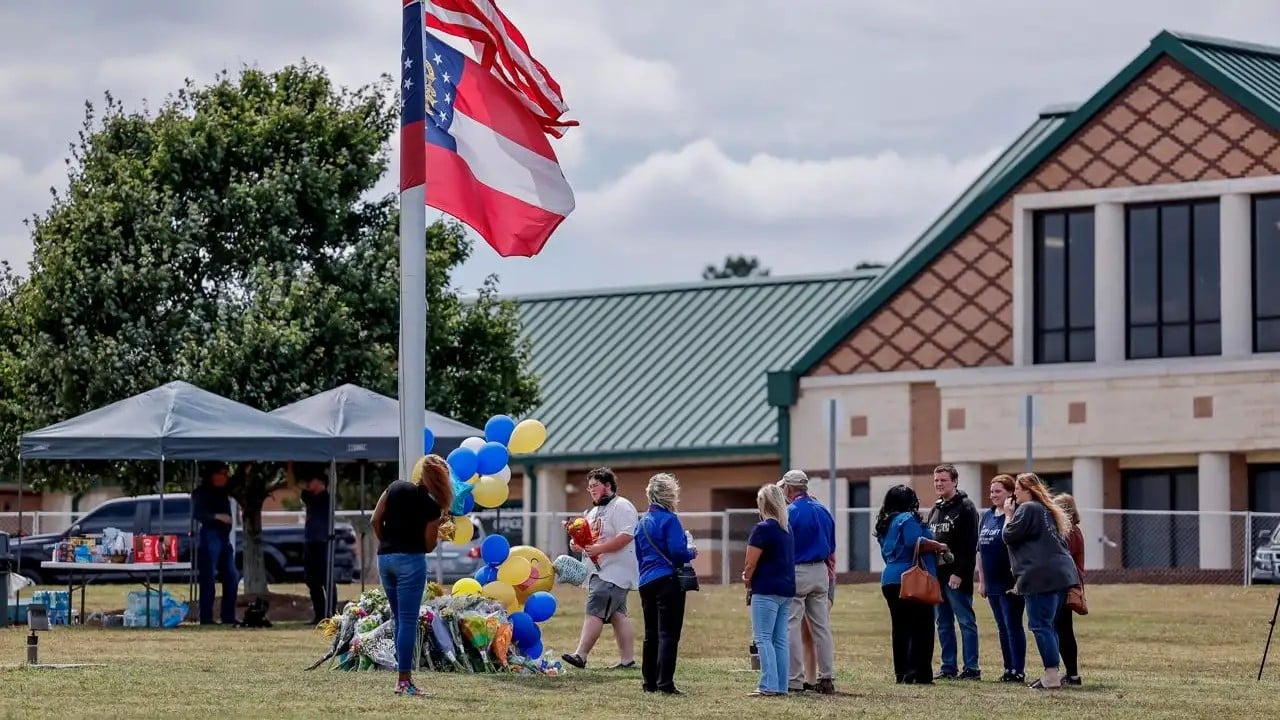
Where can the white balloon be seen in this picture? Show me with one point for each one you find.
(473, 443)
(504, 474)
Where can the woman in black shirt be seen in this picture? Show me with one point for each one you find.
(407, 525)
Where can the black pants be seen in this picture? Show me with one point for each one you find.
(315, 563)
(662, 602)
(1067, 640)
(912, 628)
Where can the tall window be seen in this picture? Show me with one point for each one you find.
(1174, 284)
(1156, 539)
(1266, 274)
(1064, 286)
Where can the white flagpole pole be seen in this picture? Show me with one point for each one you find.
(413, 306)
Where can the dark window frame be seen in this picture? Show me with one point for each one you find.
(1194, 323)
(1038, 274)
(1257, 318)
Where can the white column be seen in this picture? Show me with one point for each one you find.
(1086, 487)
(969, 479)
(1216, 542)
(552, 499)
(1109, 282)
(1023, 288)
(1236, 252)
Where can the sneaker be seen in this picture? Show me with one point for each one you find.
(1072, 680)
(970, 675)
(574, 659)
(411, 690)
(945, 675)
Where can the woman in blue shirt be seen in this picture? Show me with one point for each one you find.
(898, 528)
(770, 575)
(661, 546)
(995, 582)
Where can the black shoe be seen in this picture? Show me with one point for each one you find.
(1019, 677)
(826, 686)
(574, 659)
(1072, 680)
(970, 675)
(671, 691)
(808, 687)
(648, 689)
(944, 675)
(624, 666)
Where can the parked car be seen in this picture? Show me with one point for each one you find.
(1266, 559)
(282, 545)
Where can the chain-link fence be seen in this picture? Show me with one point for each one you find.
(1133, 546)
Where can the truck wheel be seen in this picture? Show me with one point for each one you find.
(33, 576)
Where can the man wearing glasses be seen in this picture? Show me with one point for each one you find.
(612, 519)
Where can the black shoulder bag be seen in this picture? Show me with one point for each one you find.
(685, 574)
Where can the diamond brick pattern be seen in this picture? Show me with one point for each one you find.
(1168, 126)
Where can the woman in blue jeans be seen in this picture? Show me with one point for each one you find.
(995, 582)
(770, 575)
(407, 525)
(1036, 535)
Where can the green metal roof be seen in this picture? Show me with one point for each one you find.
(677, 370)
(1248, 74)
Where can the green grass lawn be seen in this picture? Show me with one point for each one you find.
(1154, 651)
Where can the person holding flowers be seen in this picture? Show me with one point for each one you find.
(406, 522)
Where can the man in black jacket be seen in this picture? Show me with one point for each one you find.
(314, 494)
(215, 551)
(954, 522)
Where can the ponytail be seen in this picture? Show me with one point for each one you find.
(432, 473)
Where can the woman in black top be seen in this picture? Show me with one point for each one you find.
(407, 525)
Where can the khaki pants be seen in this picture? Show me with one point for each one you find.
(811, 602)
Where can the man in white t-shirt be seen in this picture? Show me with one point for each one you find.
(613, 523)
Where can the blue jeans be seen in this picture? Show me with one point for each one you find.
(1007, 609)
(769, 617)
(216, 556)
(404, 578)
(955, 606)
(1042, 608)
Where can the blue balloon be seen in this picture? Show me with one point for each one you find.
(463, 461)
(491, 458)
(495, 549)
(523, 630)
(428, 440)
(534, 652)
(499, 429)
(486, 575)
(540, 606)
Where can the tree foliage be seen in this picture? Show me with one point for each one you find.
(231, 239)
(735, 266)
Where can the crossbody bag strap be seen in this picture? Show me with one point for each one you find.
(645, 527)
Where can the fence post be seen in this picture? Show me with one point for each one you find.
(724, 548)
(1248, 549)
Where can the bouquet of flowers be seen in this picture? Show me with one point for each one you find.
(581, 535)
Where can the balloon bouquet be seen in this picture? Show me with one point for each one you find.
(488, 622)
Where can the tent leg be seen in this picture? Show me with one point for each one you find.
(18, 569)
(330, 587)
(160, 610)
(191, 535)
(360, 535)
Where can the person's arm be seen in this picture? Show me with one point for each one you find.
(200, 506)
(979, 585)
(378, 512)
(1017, 529)
(967, 554)
(1075, 545)
(432, 534)
(677, 548)
(749, 570)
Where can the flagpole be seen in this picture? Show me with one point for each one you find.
(412, 366)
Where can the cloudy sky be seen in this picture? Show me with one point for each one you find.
(812, 133)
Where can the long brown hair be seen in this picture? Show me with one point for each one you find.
(1068, 503)
(432, 472)
(1034, 485)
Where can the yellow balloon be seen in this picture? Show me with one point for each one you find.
(514, 571)
(527, 437)
(466, 586)
(463, 530)
(500, 591)
(491, 492)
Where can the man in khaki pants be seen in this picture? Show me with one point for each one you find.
(814, 531)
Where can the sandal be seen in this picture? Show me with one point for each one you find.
(574, 659)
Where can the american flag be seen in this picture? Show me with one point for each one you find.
(503, 50)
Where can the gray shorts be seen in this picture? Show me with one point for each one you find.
(604, 598)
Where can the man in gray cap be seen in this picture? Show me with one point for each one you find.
(814, 533)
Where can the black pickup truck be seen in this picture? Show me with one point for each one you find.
(282, 545)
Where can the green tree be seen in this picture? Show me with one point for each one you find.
(231, 240)
(735, 266)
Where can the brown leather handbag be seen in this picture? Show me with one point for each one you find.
(918, 584)
(1075, 600)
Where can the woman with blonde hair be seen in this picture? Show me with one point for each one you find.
(406, 522)
(661, 546)
(1036, 535)
(770, 575)
(1063, 621)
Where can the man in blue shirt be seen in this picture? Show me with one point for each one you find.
(814, 531)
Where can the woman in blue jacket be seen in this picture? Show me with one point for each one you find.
(898, 528)
(661, 546)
